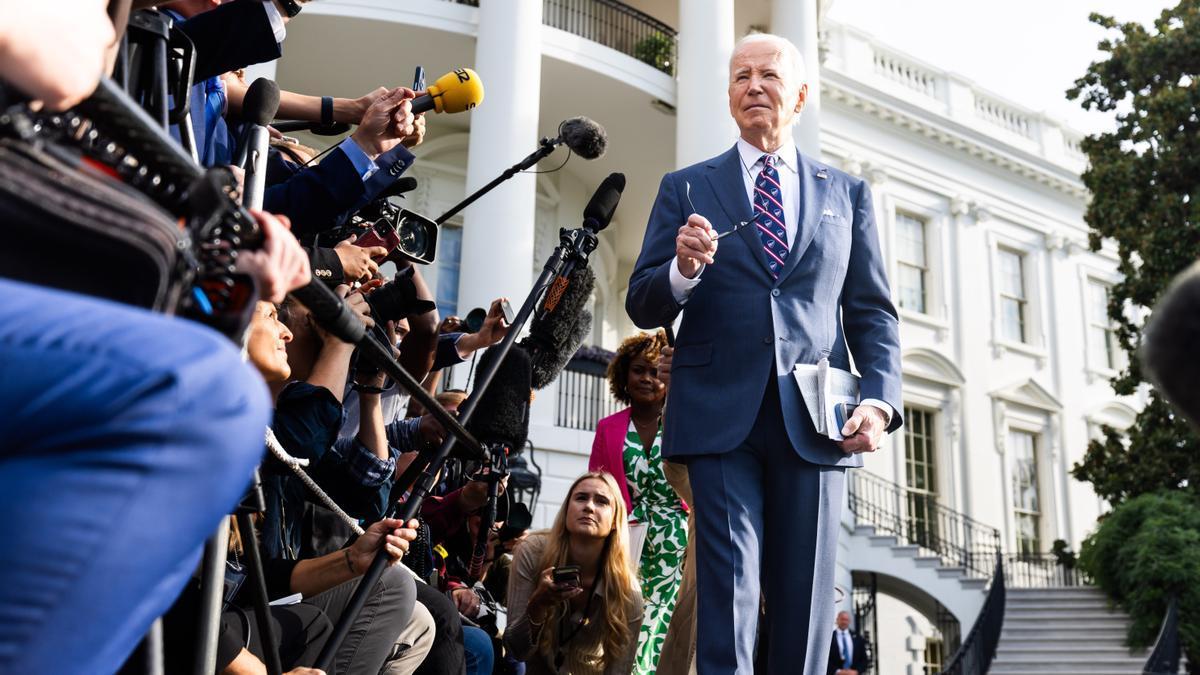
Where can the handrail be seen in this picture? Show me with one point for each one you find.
(1026, 570)
(975, 654)
(918, 519)
(1164, 658)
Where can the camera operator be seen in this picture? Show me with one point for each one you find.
(110, 409)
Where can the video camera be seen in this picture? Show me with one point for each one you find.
(408, 236)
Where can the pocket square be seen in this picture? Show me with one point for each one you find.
(829, 214)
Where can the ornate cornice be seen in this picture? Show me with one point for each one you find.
(947, 132)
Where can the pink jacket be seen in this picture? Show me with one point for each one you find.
(608, 452)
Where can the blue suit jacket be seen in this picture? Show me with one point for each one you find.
(743, 331)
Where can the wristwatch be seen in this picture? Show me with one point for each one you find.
(290, 7)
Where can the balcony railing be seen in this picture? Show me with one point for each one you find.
(612, 24)
(583, 398)
(919, 520)
(1042, 571)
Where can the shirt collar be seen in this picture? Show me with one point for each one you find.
(785, 155)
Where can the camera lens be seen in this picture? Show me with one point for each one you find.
(413, 239)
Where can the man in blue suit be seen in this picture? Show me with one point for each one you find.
(801, 280)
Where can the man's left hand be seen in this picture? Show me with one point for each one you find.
(863, 430)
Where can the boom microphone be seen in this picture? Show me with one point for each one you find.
(502, 413)
(456, 91)
(600, 209)
(555, 336)
(584, 137)
(1170, 337)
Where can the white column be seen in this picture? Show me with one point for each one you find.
(796, 20)
(703, 126)
(497, 248)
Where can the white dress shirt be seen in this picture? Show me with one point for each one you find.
(786, 166)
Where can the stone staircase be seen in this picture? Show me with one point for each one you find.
(953, 586)
(1063, 630)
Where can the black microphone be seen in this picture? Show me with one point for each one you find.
(258, 108)
(1168, 344)
(556, 335)
(584, 137)
(600, 208)
(315, 128)
(501, 415)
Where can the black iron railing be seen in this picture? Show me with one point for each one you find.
(975, 654)
(1164, 658)
(612, 24)
(616, 25)
(583, 398)
(919, 520)
(1042, 571)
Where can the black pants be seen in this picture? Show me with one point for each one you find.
(446, 657)
(301, 630)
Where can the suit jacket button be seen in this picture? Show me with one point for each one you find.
(775, 292)
(767, 340)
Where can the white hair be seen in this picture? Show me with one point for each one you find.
(789, 50)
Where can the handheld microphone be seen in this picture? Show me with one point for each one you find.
(456, 91)
(259, 108)
(1169, 340)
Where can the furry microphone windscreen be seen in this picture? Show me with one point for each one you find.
(502, 413)
(1169, 338)
(584, 137)
(554, 338)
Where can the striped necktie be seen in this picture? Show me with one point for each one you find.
(768, 216)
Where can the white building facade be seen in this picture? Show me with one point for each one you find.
(1006, 348)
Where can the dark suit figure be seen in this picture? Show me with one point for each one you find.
(802, 279)
(847, 650)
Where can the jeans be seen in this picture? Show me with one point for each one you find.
(479, 652)
(125, 436)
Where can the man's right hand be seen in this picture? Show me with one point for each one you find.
(695, 245)
(387, 121)
(358, 261)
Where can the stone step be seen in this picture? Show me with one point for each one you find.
(1068, 616)
(1086, 634)
(1065, 603)
(1058, 650)
(1060, 669)
(926, 561)
(883, 540)
(1085, 664)
(1056, 593)
(973, 584)
(906, 551)
(951, 572)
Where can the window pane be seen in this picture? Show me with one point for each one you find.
(1012, 319)
(1022, 447)
(1098, 302)
(1100, 351)
(449, 259)
(911, 286)
(1011, 280)
(921, 473)
(910, 240)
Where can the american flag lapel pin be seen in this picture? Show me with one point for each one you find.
(821, 174)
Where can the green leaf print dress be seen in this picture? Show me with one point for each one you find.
(661, 566)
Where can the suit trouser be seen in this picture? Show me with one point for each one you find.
(765, 516)
(125, 437)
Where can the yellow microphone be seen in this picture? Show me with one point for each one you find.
(456, 91)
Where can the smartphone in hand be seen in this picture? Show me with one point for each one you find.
(567, 575)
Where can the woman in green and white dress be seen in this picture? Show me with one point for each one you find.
(628, 445)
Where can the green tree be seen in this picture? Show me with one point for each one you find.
(1144, 178)
(1144, 552)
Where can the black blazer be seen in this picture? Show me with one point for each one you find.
(860, 662)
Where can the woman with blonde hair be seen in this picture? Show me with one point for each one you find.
(573, 603)
(628, 445)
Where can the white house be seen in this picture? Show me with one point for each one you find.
(1006, 348)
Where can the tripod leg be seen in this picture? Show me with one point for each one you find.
(212, 592)
(262, 607)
